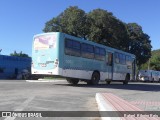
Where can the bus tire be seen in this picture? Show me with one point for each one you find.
(72, 81)
(125, 82)
(108, 82)
(89, 82)
(95, 78)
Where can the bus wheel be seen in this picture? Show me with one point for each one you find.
(89, 82)
(108, 82)
(125, 82)
(72, 81)
(95, 78)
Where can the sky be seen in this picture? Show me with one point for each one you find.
(20, 20)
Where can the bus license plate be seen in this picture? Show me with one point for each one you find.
(43, 65)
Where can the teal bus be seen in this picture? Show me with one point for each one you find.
(76, 59)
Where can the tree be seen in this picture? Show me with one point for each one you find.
(102, 27)
(19, 54)
(155, 63)
(72, 21)
(107, 29)
(139, 43)
(155, 60)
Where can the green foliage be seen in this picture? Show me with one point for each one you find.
(102, 27)
(156, 52)
(72, 21)
(154, 62)
(19, 54)
(140, 43)
(107, 29)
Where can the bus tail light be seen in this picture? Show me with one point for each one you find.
(56, 62)
(35, 71)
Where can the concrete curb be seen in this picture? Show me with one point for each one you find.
(110, 102)
(103, 105)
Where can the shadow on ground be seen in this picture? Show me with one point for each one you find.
(131, 86)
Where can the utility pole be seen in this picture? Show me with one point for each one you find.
(149, 64)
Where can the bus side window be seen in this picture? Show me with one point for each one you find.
(100, 53)
(76, 48)
(128, 60)
(107, 59)
(87, 51)
(110, 59)
(72, 47)
(116, 57)
(122, 59)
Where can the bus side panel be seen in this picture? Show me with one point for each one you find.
(79, 67)
(61, 53)
(119, 72)
(71, 66)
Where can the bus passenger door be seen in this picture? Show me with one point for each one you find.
(110, 65)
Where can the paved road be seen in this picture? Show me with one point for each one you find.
(60, 96)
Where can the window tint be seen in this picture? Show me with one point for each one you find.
(68, 43)
(72, 48)
(120, 58)
(128, 60)
(76, 45)
(84, 47)
(123, 59)
(90, 49)
(87, 50)
(110, 58)
(97, 50)
(100, 53)
(116, 58)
